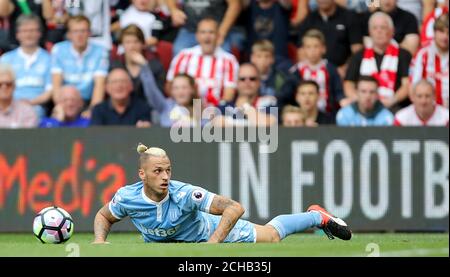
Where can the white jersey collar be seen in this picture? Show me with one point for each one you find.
(29, 59)
(148, 200)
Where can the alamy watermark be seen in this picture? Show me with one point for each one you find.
(72, 4)
(236, 125)
(73, 250)
(373, 249)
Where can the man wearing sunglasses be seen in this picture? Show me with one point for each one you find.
(13, 113)
(248, 108)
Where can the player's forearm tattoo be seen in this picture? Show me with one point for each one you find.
(231, 211)
(101, 227)
(222, 203)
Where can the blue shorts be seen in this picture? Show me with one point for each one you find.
(243, 230)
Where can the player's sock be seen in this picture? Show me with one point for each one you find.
(293, 223)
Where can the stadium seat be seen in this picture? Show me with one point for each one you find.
(292, 52)
(164, 52)
(235, 51)
(114, 55)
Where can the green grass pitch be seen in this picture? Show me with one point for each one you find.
(310, 245)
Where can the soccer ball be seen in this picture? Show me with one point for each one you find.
(53, 225)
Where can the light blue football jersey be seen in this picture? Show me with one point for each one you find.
(80, 70)
(351, 116)
(181, 216)
(32, 76)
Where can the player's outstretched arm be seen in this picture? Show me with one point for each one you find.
(230, 211)
(102, 224)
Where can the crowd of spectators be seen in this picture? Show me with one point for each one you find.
(79, 63)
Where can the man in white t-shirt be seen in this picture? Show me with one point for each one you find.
(139, 13)
(423, 111)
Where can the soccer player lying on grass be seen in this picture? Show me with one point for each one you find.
(164, 210)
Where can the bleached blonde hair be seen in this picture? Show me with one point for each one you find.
(152, 151)
(146, 152)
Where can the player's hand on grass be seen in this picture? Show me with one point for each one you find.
(212, 240)
(100, 242)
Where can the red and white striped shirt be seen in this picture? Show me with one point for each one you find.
(212, 73)
(408, 117)
(320, 75)
(431, 65)
(387, 74)
(427, 31)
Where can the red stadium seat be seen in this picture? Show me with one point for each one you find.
(114, 55)
(292, 52)
(235, 51)
(164, 52)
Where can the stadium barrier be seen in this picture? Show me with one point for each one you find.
(377, 179)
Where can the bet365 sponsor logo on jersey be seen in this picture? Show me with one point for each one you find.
(160, 232)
